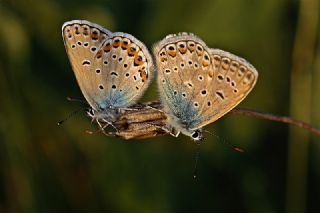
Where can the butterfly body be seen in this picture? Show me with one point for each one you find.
(198, 84)
(112, 69)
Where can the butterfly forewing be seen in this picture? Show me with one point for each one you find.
(183, 61)
(112, 69)
(81, 40)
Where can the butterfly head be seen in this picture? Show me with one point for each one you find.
(197, 135)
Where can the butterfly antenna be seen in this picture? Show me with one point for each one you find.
(76, 100)
(196, 159)
(235, 148)
(71, 115)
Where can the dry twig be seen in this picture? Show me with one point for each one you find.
(147, 120)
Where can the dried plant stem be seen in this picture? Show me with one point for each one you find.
(277, 118)
(147, 120)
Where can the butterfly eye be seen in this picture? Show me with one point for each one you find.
(197, 135)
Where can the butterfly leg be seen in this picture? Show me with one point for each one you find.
(107, 123)
(101, 128)
(172, 131)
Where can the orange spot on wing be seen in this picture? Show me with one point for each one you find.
(191, 46)
(163, 58)
(85, 30)
(143, 75)
(116, 43)
(138, 60)
(77, 30)
(94, 35)
(210, 73)
(205, 63)
(182, 50)
(99, 54)
(172, 53)
(132, 51)
(107, 48)
(217, 59)
(124, 45)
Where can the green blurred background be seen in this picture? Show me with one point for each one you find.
(49, 168)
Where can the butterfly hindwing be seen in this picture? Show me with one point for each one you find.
(127, 65)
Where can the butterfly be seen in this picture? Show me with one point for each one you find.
(113, 69)
(198, 84)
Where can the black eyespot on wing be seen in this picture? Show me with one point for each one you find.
(86, 62)
(220, 94)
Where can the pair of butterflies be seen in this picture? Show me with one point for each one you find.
(197, 84)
